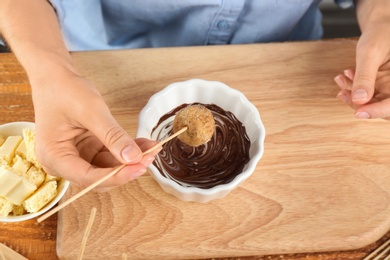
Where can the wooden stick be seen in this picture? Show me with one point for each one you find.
(8, 253)
(93, 185)
(2, 255)
(165, 140)
(87, 231)
(78, 195)
(376, 251)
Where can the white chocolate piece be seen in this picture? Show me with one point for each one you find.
(8, 180)
(20, 192)
(7, 150)
(13, 187)
(5, 207)
(23, 182)
(2, 139)
(41, 197)
(22, 150)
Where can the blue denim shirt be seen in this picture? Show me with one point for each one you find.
(345, 3)
(118, 24)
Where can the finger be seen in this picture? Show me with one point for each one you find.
(146, 144)
(80, 172)
(349, 73)
(89, 147)
(383, 82)
(380, 109)
(343, 82)
(105, 159)
(368, 62)
(345, 97)
(114, 137)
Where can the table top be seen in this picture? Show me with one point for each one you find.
(38, 240)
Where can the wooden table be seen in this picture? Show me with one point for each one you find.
(159, 67)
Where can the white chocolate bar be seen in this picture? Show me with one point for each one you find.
(7, 150)
(8, 180)
(22, 150)
(13, 187)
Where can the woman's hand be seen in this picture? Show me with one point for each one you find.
(367, 88)
(77, 137)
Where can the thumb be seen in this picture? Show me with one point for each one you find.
(363, 87)
(115, 138)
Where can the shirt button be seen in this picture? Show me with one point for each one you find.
(223, 25)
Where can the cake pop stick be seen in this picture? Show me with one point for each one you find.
(93, 185)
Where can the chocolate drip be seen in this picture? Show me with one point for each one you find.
(216, 162)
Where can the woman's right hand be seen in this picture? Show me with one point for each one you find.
(77, 137)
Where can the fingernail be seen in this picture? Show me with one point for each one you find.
(339, 81)
(130, 154)
(359, 94)
(150, 159)
(348, 73)
(342, 97)
(147, 160)
(139, 173)
(362, 115)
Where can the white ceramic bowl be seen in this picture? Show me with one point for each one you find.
(16, 128)
(206, 92)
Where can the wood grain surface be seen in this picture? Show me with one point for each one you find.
(321, 190)
(8, 253)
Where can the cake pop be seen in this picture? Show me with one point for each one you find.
(199, 122)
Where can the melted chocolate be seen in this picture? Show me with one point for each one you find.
(216, 162)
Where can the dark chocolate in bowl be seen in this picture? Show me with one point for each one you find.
(217, 162)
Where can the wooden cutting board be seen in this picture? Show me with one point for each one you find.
(323, 183)
(8, 253)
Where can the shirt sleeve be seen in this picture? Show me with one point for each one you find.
(345, 3)
(2, 43)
